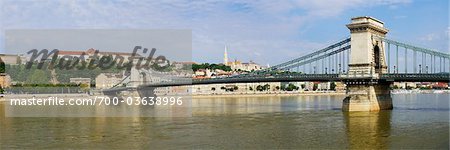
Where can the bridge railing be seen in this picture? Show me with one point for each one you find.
(297, 61)
(414, 59)
(408, 77)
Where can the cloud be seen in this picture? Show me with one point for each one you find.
(250, 27)
(430, 37)
(447, 32)
(436, 36)
(329, 8)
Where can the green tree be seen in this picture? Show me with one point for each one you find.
(291, 87)
(2, 67)
(315, 86)
(84, 87)
(38, 77)
(259, 88)
(266, 87)
(196, 67)
(395, 87)
(332, 86)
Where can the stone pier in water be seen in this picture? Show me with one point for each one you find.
(365, 92)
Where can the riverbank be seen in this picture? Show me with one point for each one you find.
(266, 94)
(417, 91)
(242, 94)
(26, 96)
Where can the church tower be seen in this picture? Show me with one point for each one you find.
(225, 56)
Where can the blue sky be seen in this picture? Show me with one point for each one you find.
(262, 31)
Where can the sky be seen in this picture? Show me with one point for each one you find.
(267, 32)
(174, 44)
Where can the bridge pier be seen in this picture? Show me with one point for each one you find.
(367, 97)
(367, 64)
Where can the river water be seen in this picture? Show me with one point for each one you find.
(417, 121)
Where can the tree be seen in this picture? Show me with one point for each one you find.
(266, 87)
(84, 87)
(161, 68)
(395, 87)
(38, 77)
(196, 67)
(332, 86)
(2, 67)
(259, 88)
(315, 86)
(291, 87)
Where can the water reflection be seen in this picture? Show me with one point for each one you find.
(368, 130)
(287, 122)
(122, 108)
(254, 104)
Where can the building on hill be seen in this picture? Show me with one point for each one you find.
(180, 65)
(91, 52)
(237, 65)
(12, 59)
(5, 80)
(108, 80)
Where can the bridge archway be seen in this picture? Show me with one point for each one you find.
(144, 77)
(376, 58)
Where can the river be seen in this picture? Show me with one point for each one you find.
(417, 121)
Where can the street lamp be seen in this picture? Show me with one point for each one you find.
(420, 69)
(395, 70)
(339, 68)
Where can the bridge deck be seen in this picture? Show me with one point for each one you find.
(306, 77)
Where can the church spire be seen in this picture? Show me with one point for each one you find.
(225, 56)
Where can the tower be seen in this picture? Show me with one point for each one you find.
(365, 92)
(367, 51)
(225, 56)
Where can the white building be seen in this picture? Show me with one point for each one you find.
(91, 52)
(108, 80)
(237, 65)
(12, 59)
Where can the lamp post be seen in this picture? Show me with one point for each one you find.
(420, 69)
(395, 70)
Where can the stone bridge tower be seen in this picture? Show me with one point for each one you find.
(367, 62)
(367, 51)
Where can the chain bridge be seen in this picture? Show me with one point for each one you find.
(367, 62)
